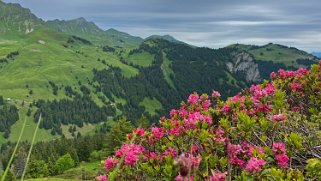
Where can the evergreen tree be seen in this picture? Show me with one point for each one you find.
(117, 135)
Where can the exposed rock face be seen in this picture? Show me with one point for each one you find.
(244, 64)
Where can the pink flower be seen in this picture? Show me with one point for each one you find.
(278, 117)
(216, 94)
(173, 112)
(110, 163)
(296, 86)
(226, 108)
(273, 75)
(102, 178)
(170, 151)
(219, 135)
(296, 109)
(233, 152)
(218, 176)
(131, 158)
(129, 136)
(206, 104)
(158, 133)
(270, 89)
(254, 165)
(193, 98)
(174, 131)
(282, 160)
(131, 153)
(139, 131)
(278, 148)
(179, 177)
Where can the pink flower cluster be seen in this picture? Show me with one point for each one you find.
(234, 153)
(280, 154)
(254, 165)
(278, 117)
(158, 133)
(110, 163)
(139, 131)
(283, 74)
(218, 176)
(131, 153)
(238, 153)
(102, 178)
(216, 94)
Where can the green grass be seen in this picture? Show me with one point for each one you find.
(90, 169)
(2, 139)
(167, 71)
(87, 128)
(231, 79)
(37, 64)
(276, 53)
(143, 59)
(42, 135)
(50, 179)
(151, 105)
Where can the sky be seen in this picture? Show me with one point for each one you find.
(210, 23)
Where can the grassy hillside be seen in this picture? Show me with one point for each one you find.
(276, 53)
(45, 55)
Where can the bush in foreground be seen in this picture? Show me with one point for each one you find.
(267, 132)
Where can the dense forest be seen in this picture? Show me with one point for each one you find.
(8, 116)
(188, 64)
(79, 110)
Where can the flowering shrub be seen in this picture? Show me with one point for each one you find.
(266, 132)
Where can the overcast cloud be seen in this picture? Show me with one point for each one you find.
(212, 23)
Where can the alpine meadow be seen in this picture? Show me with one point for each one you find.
(79, 101)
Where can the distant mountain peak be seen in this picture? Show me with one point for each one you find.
(15, 18)
(167, 38)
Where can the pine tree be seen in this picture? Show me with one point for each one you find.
(117, 135)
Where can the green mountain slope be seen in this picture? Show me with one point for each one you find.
(289, 56)
(16, 20)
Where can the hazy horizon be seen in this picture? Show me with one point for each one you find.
(207, 23)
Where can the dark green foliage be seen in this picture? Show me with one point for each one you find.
(37, 169)
(10, 176)
(74, 39)
(8, 116)
(69, 91)
(54, 88)
(46, 154)
(3, 60)
(266, 67)
(84, 90)
(78, 111)
(142, 122)
(12, 55)
(108, 49)
(117, 135)
(305, 62)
